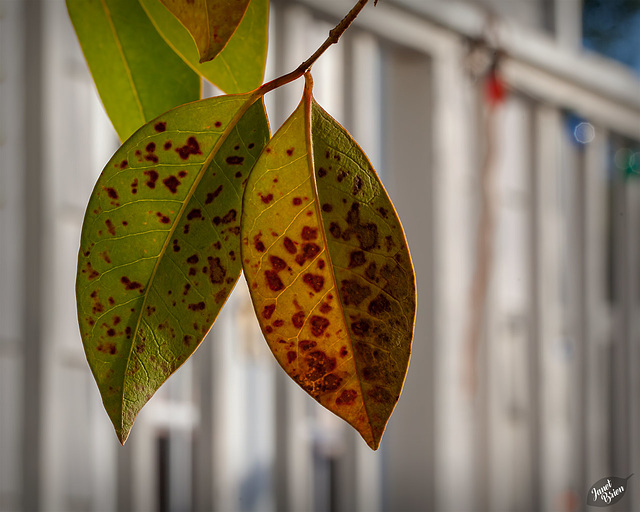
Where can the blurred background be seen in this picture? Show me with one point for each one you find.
(525, 414)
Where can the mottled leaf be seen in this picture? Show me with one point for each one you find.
(136, 73)
(329, 270)
(160, 246)
(239, 67)
(211, 23)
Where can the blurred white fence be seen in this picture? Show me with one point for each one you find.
(557, 406)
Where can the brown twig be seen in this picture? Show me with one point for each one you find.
(334, 36)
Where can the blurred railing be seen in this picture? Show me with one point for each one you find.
(556, 406)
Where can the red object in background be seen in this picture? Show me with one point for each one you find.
(495, 89)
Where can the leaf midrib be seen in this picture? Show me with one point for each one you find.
(251, 99)
(124, 59)
(308, 103)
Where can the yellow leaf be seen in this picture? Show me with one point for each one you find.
(329, 269)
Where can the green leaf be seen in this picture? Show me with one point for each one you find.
(329, 269)
(211, 23)
(240, 66)
(160, 246)
(137, 75)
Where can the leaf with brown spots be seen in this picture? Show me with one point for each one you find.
(170, 265)
(239, 67)
(211, 23)
(335, 299)
(137, 74)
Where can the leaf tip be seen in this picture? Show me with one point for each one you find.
(123, 435)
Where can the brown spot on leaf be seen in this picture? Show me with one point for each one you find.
(230, 216)
(379, 305)
(266, 199)
(278, 323)
(318, 325)
(327, 208)
(309, 233)
(331, 382)
(191, 147)
(187, 287)
(172, 183)
(309, 251)
(212, 195)
(111, 192)
(193, 259)
(130, 285)
(356, 259)
(163, 218)
(268, 310)
(319, 365)
(316, 282)
(347, 397)
(335, 230)
(153, 177)
(360, 327)
(220, 296)
(353, 293)
(107, 348)
(105, 256)
(370, 271)
(161, 126)
(217, 272)
(167, 145)
(325, 308)
(367, 233)
(322, 172)
(186, 340)
(357, 185)
(380, 395)
(273, 281)
(290, 151)
(196, 306)
(217, 124)
(298, 319)
(194, 214)
(305, 345)
(123, 164)
(235, 160)
(257, 243)
(289, 245)
(389, 243)
(297, 201)
(291, 356)
(277, 263)
(110, 227)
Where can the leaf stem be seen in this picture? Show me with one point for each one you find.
(334, 36)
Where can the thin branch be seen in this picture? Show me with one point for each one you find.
(334, 36)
